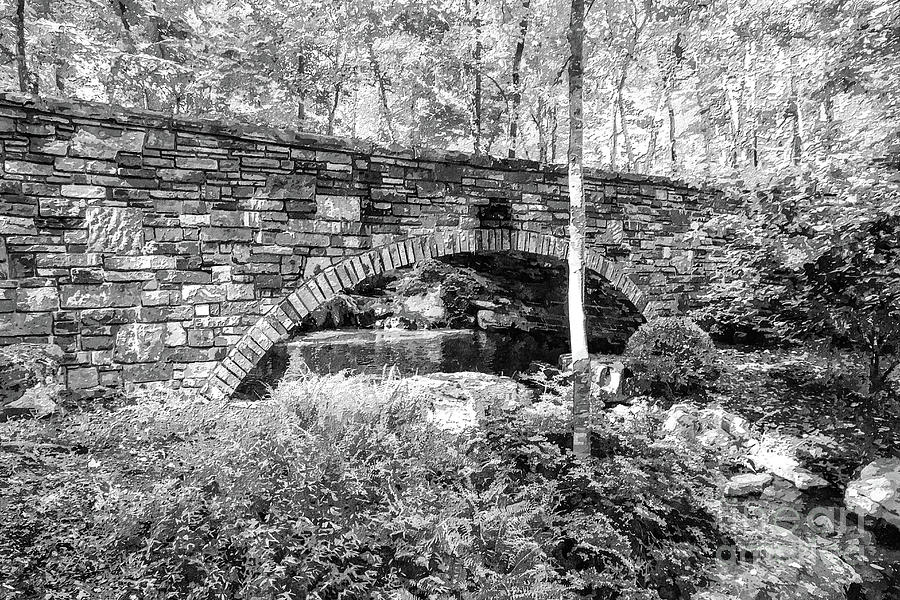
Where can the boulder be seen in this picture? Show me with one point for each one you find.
(747, 484)
(24, 366)
(457, 401)
(38, 401)
(730, 434)
(783, 567)
(427, 307)
(777, 454)
(709, 426)
(876, 492)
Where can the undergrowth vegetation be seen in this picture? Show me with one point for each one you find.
(340, 487)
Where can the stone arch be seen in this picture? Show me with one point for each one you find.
(276, 325)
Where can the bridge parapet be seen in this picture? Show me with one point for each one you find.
(146, 247)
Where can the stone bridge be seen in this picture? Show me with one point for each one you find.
(156, 250)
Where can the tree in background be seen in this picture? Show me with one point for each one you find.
(581, 360)
(707, 90)
(850, 294)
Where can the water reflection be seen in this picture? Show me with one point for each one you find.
(421, 351)
(418, 351)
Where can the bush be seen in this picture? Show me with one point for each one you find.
(670, 356)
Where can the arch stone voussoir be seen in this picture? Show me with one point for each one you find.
(284, 316)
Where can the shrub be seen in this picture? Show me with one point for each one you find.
(337, 487)
(670, 356)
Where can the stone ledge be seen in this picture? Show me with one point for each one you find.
(233, 128)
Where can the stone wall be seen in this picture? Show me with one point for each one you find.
(145, 246)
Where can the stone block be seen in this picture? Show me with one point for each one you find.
(239, 291)
(225, 234)
(430, 189)
(146, 372)
(200, 338)
(105, 143)
(204, 294)
(16, 225)
(333, 157)
(296, 186)
(176, 335)
(83, 191)
(26, 324)
(21, 167)
(137, 263)
(260, 163)
(199, 370)
(82, 378)
(156, 297)
(338, 208)
(106, 295)
(63, 207)
(40, 299)
(161, 139)
(85, 166)
(115, 230)
(52, 146)
(206, 164)
(139, 342)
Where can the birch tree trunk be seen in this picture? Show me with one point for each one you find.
(629, 151)
(581, 362)
(671, 113)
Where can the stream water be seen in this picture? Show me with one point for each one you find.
(369, 351)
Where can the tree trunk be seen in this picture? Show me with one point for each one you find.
(733, 94)
(382, 92)
(614, 138)
(706, 130)
(128, 40)
(332, 111)
(539, 117)
(793, 113)
(158, 41)
(654, 131)
(753, 95)
(516, 79)
(581, 362)
(301, 91)
(629, 152)
(671, 112)
(477, 96)
(25, 78)
(669, 65)
(554, 129)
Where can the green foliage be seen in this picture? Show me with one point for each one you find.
(339, 488)
(670, 356)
